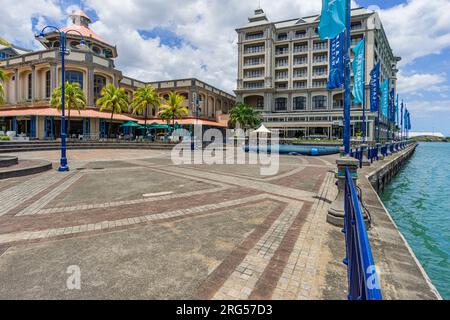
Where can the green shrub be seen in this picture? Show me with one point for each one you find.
(4, 138)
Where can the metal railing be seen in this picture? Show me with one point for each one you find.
(374, 151)
(363, 281)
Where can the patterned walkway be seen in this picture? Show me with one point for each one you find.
(198, 232)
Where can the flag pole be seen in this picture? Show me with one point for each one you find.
(347, 93)
(364, 97)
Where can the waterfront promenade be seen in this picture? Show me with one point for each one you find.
(138, 226)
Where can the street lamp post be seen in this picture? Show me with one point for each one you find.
(62, 49)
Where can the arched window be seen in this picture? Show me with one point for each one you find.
(299, 103)
(280, 104)
(319, 102)
(74, 44)
(99, 83)
(74, 76)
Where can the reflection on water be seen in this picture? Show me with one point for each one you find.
(419, 201)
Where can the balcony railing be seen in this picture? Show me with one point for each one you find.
(320, 47)
(300, 35)
(299, 62)
(363, 281)
(300, 49)
(254, 50)
(285, 51)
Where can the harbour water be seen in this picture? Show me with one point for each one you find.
(418, 199)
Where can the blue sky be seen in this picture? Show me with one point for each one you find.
(160, 39)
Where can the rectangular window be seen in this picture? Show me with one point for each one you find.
(300, 60)
(281, 75)
(280, 104)
(254, 49)
(282, 36)
(301, 48)
(298, 73)
(30, 87)
(300, 34)
(322, 45)
(47, 85)
(300, 84)
(253, 85)
(255, 35)
(281, 50)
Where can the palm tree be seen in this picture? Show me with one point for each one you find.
(3, 75)
(173, 108)
(74, 99)
(3, 78)
(5, 43)
(143, 98)
(114, 99)
(244, 115)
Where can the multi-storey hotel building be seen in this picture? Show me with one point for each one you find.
(32, 77)
(283, 69)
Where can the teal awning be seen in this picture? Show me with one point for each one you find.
(158, 126)
(130, 124)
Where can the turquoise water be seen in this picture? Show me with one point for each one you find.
(418, 199)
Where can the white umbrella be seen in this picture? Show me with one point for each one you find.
(262, 129)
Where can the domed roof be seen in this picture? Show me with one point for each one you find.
(80, 26)
(80, 23)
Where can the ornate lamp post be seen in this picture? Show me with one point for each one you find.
(63, 51)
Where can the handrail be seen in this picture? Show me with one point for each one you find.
(363, 281)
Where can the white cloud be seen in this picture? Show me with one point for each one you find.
(418, 28)
(16, 19)
(209, 49)
(427, 108)
(418, 83)
(207, 28)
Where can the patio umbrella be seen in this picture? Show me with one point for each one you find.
(130, 124)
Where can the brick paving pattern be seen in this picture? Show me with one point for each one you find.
(281, 255)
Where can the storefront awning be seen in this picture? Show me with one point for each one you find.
(88, 113)
(187, 122)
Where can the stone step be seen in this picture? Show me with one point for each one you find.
(86, 146)
(24, 168)
(6, 161)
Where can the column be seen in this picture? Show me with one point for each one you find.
(16, 86)
(336, 213)
(90, 87)
(53, 77)
(33, 83)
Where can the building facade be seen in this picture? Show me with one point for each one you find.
(283, 70)
(32, 77)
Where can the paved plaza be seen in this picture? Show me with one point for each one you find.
(140, 227)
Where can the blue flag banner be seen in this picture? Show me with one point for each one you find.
(374, 87)
(358, 71)
(392, 105)
(396, 111)
(336, 76)
(385, 98)
(332, 18)
(401, 116)
(409, 121)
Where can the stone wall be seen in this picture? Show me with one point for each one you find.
(383, 175)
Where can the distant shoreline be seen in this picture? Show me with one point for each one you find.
(431, 139)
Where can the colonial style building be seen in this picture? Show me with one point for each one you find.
(32, 77)
(283, 69)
